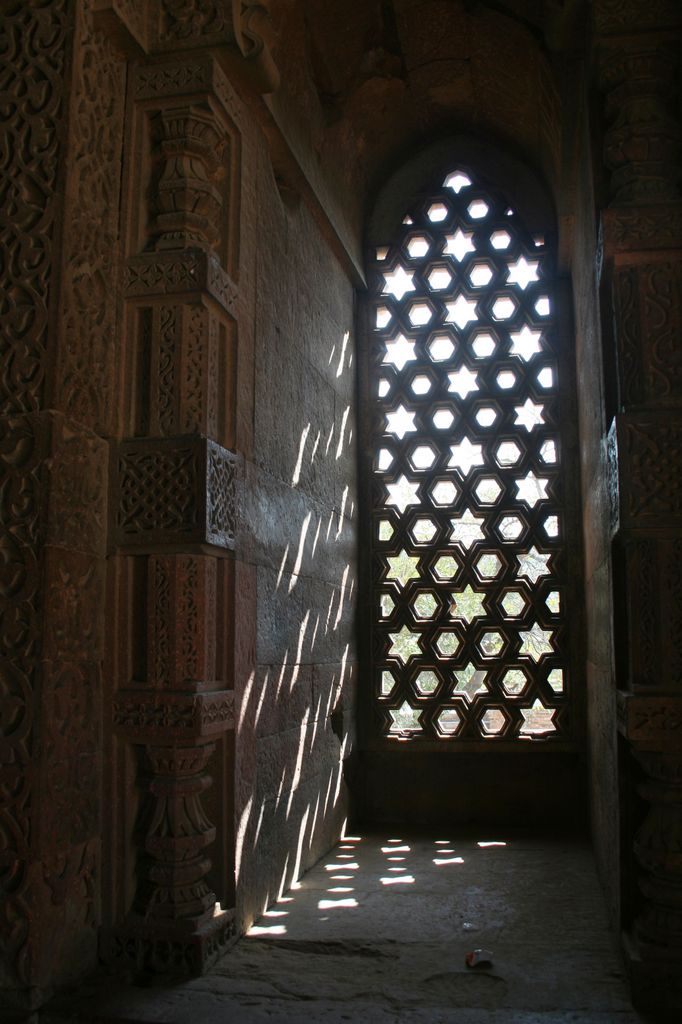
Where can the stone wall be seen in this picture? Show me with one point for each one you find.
(296, 548)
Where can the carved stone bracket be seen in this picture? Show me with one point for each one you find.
(649, 447)
(255, 37)
(173, 493)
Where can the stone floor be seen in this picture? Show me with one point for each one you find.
(378, 931)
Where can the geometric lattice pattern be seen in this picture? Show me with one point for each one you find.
(469, 627)
(172, 490)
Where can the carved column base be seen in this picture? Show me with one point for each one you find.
(177, 948)
(653, 948)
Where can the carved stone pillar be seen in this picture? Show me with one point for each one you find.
(638, 47)
(174, 477)
(642, 141)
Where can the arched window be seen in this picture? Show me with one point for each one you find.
(469, 595)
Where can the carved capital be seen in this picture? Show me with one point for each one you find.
(173, 493)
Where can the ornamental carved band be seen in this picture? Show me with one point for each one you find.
(648, 304)
(651, 720)
(653, 609)
(144, 716)
(642, 228)
(177, 273)
(34, 113)
(173, 492)
(181, 622)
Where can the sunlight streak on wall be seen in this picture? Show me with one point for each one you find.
(296, 778)
(241, 836)
(246, 696)
(299, 554)
(342, 432)
(295, 884)
(299, 461)
(342, 356)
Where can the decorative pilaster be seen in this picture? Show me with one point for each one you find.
(174, 479)
(63, 97)
(638, 48)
